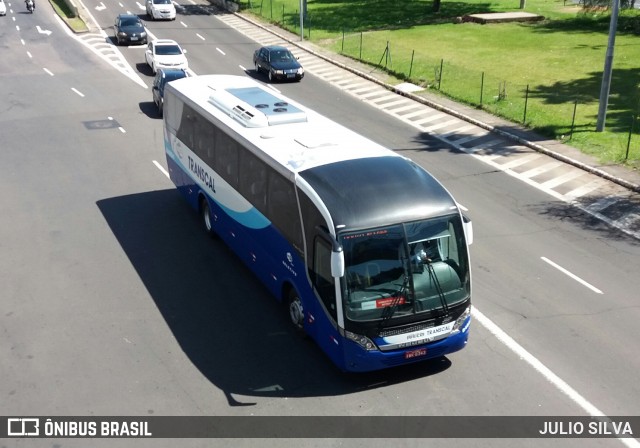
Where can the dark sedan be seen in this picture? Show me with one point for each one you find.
(129, 29)
(164, 76)
(278, 63)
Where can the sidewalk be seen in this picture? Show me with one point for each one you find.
(618, 174)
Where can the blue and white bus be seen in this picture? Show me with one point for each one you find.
(367, 250)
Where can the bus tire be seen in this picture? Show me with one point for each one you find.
(295, 311)
(205, 212)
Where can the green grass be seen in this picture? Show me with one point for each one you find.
(68, 16)
(558, 60)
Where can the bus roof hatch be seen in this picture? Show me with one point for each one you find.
(254, 107)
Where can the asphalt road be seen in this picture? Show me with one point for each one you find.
(116, 303)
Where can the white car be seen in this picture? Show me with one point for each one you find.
(165, 53)
(161, 9)
(3, 8)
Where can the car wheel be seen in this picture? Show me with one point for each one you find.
(153, 68)
(161, 107)
(257, 66)
(270, 76)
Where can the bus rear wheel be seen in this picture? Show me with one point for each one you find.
(296, 311)
(205, 212)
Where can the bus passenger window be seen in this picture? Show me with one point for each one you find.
(186, 130)
(282, 209)
(226, 157)
(253, 182)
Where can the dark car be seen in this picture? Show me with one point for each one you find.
(163, 76)
(278, 63)
(129, 29)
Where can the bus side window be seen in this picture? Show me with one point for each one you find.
(282, 209)
(226, 157)
(204, 144)
(253, 182)
(186, 130)
(322, 278)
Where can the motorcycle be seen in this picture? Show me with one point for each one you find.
(31, 6)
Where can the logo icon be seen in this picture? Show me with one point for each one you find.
(23, 427)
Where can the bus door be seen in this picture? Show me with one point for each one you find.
(324, 308)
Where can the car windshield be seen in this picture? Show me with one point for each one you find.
(171, 76)
(168, 50)
(281, 56)
(129, 22)
(405, 269)
(161, 2)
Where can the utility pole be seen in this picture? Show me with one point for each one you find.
(301, 20)
(608, 68)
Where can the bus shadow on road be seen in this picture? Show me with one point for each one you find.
(232, 330)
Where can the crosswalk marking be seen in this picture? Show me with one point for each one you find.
(520, 161)
(584, 189)
(541, 169)
(553, 183)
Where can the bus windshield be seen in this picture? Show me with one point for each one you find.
(406, 269)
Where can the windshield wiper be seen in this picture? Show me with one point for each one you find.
(400, 295)
(436, 282)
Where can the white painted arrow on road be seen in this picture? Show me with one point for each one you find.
(41, 31)
(101, 7)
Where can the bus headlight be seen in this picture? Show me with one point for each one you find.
(361, 340)
(460, 321)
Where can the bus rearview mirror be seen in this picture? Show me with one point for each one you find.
(337, 263)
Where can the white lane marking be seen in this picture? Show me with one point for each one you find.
(101, 7)
(42, 31)
(18, 27)
(201, 37)
(49, 72)
(22, 41)
(161, 168)
(544, 371)
(77, 91)
(573, 276)
(221, 52)
(120, 128)
(29, 54)
(183, 24)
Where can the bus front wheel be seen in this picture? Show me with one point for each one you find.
(296, 311)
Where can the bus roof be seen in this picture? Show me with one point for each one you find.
(290, 134)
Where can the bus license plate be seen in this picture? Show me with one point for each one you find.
(415, 353)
